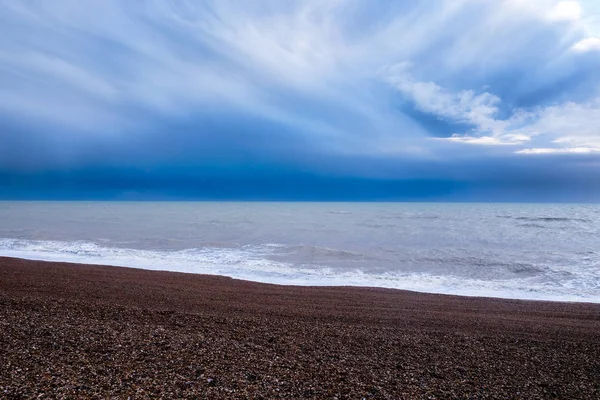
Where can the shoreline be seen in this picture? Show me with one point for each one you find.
(472, 294)
(107, 331)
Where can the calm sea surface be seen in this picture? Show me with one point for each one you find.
(529, 251)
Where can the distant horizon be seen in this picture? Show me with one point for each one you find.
(266, 200)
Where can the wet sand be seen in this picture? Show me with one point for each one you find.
(80, 331)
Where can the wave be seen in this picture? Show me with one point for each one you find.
(552, 219)
(545, 219)
(410, 216)
(533, 225)
(485, 267)
(256, 263)
(312, 252)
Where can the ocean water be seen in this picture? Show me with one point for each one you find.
(524, 251)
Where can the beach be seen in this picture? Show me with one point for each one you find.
(87, 331)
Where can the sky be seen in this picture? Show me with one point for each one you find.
(449, 100)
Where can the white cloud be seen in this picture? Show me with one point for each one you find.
(566, 150)
(569, 124)
(576, 126)
(565, 11)
(462, 106)
(551, 10)
(585, 45)
(486, 140)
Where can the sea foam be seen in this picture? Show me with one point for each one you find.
(255, 263)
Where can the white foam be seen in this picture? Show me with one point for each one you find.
(252, 263)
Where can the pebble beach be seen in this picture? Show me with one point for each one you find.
(71, 331)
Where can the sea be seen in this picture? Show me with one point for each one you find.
(518, 251)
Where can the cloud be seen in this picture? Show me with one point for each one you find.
(568, 123)
(585, 45)
(487, 140)
(463, 106)
(565, 11)
(551, 10)
(567, 150)
(109, 66)
(479, 110)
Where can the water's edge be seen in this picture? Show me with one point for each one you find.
(254, 270)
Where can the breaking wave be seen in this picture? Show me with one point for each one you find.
(263, 263)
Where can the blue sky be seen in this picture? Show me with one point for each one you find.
(341, 99)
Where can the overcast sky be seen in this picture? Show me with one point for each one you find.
(333, 100)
